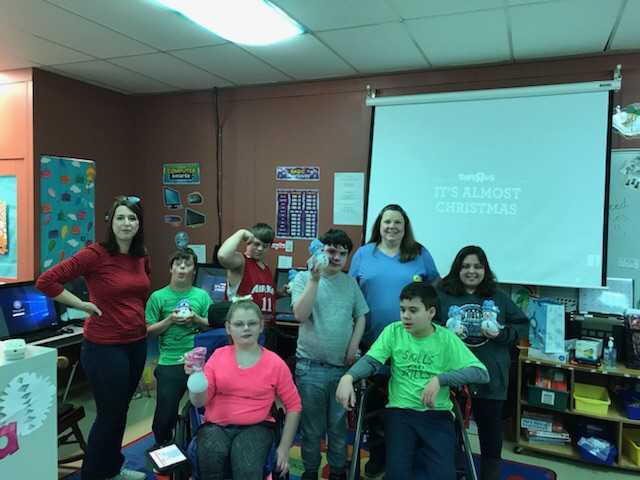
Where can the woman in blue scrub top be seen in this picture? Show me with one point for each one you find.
(382, 267)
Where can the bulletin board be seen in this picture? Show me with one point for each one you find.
(67, 207)
(8, 227)
(623, 254)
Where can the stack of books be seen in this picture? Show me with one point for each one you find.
(544, 428)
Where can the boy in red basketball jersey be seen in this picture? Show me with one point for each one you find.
(247, 274)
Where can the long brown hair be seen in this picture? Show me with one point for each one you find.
(137, 248)
(452, 284)
(409, 248)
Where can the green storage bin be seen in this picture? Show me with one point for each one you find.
(547, 398)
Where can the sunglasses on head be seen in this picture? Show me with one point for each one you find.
(128, 198)
(121, 198)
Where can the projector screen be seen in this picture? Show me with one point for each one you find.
(524, 178)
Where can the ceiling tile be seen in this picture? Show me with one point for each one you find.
(377, 48)
(469, 38)
(330, 14)
(146, 21)
(427, 8)
(303, 57)
(36, 49)
(231, 63)
(171, 70)
(112, 76)
(567, 27)
(522, 2)
(627, 36)
(52, 23)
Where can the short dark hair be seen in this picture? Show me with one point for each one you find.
(137, 248)
(422, 290)
(263, 232)
(183, 254)
(452, 284)
(337, 238)
(409, 248)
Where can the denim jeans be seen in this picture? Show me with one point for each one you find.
(170, 387)
(406, 431)
(113, 372)
(317, 383)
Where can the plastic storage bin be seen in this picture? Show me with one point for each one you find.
(631, 445)
(591, 399)
(631, 402)
(547, 398)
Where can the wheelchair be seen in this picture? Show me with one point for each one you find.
(465, 467)
(191, 418)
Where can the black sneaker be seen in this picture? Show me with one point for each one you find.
(309, 476)
(338, 476)
(373, 468)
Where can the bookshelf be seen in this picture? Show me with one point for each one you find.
(615, 416)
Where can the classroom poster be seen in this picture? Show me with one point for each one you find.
(298, 174)
(8, 227)
(181, 174)
(297, 213)
(67, 207)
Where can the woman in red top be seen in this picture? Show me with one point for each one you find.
(114, 348)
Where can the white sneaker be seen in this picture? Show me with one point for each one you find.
(126, 474)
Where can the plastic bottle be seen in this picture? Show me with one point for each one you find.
(610, 354)
(197, 382)
(318, 258)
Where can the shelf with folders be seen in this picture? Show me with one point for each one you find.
(582, 402)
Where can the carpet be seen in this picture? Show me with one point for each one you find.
(136, 459)
(135, 454)
(510, 470)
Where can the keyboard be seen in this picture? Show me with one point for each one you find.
(41, 335)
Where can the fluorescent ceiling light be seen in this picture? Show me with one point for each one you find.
(248, 22)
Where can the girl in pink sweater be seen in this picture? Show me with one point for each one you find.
(244, 380)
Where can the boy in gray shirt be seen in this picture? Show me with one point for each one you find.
(330, 308)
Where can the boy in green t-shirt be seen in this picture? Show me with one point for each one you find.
(175, 314)
(426, 359)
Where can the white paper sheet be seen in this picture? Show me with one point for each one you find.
(201, 252)
(285, 261)
(348, 198)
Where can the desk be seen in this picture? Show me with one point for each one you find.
(62, 340)
(59, 342)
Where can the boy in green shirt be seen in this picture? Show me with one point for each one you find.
(426, 359)
(175, 314)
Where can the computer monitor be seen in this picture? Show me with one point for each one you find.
(284, 312)
(171, 198)
(212, 279)
(24, 309)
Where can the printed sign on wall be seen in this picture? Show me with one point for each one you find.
(67, 207)
(297, 213)
(181, 174)
(298, 174)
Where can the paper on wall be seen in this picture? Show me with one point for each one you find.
(201, 252)
(348, 198)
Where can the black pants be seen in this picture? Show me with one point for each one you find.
(247, 448)
(113, 372)
(488, 417)
(171, 385)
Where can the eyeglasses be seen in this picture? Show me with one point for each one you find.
(240, 325)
